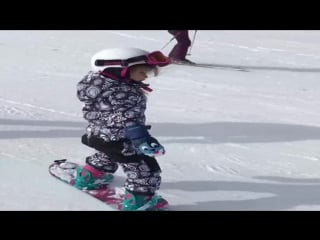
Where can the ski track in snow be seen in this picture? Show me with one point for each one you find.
(132, 36)
(21, 111)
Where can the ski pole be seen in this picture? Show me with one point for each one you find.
(167, 43)
(170, 40)
(193, 39)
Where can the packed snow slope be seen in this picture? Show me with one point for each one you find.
(234, 140)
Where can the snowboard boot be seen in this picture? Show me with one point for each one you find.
(138, 202)
(89, 178)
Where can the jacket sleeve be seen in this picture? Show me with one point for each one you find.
(128, 104)
(89, 88)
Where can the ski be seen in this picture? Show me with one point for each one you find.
(209, 65)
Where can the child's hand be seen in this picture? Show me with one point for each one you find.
(151, 147)
(143, 142)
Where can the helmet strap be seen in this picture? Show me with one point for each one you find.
(108, 74)
(124, 72)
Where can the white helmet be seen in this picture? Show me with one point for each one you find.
(115, 57)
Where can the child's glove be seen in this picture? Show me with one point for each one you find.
(143, 142)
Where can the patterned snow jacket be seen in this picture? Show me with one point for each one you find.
(111, 105)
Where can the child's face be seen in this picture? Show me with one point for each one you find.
(139, 73)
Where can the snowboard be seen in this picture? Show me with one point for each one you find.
(66, 172)
(209, 65)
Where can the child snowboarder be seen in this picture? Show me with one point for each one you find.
(114, 100)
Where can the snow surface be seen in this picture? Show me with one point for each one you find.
(234, 140)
